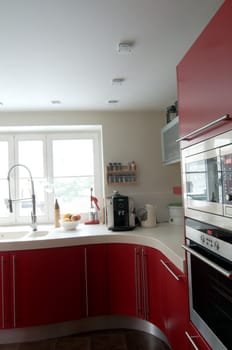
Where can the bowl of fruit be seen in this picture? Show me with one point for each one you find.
(69, 222)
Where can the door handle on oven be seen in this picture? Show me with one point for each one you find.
(203, 128)
(220, 269)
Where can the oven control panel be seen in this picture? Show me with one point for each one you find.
(210, 237)
(210, 242)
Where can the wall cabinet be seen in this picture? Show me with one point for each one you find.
(204, 78)
(174, 301)
(170, 148)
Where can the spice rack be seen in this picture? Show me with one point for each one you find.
(119, 174)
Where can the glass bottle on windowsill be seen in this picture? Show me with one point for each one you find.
(57, 214)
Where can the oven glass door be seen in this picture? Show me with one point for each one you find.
(203, 182)
(226, 160)
(211, 298)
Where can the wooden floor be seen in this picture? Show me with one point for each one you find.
(109, 340)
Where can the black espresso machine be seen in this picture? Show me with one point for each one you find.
(120, 212)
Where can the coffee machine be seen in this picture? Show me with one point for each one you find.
(120, 213)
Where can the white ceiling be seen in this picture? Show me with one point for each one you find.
(66, 50)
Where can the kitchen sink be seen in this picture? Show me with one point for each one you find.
(39, 233)
(12, 235)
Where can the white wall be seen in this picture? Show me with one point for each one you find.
(127, 136)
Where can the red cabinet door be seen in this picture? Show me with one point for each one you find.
(45, 286)
(124, 298)
(152, 286)
(94, 280)
(5, 310)
(195, 339)
(174, 303)
(204, 77)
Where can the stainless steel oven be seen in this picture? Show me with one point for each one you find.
(207, 180)
(209, 253)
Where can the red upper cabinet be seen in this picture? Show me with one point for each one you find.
(204, 78)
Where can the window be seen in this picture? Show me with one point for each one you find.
(63, 165)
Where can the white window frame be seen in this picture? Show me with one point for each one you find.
(48, 134)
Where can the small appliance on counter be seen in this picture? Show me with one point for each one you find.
(120, 213)
(147, 216)
(176, 214)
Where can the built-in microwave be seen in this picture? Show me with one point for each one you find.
(207, 180)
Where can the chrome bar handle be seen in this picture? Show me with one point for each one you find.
(203, 128)
(3, 292)
(137, 283)
(171, 272)
(216, 267)
(86, 284)
(144, 279)
(190, 338)
(14, 292)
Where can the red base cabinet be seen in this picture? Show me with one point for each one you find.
(54, 285)
(134, 282)
(94, 280)
(45, 286)
(153, 287)
(5, 302)
(195, 340)
(40, 287)
(204, 77)
(174, 302)
(123, 280)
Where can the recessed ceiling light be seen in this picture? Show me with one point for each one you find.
(118, 81)
(56, 102)
(113, 101)
(125, 47)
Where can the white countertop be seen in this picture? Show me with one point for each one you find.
(165, 237)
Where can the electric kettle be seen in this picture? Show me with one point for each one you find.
(148, 216)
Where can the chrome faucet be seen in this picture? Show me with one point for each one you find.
(10, 200)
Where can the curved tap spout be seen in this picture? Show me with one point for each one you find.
(33, 200)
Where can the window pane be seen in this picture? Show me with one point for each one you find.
(4, 212)
(73, 193)
(4, 159)
(73, 162)
(73, 157)
(25, 206)
(30, 153)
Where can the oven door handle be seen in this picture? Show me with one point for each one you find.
(224, 272)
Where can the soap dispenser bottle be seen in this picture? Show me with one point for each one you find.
(57, 214)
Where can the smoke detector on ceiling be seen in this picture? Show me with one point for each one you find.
(117, 81)
(125, 48)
